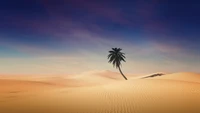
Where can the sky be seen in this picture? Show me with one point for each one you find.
(74, 36)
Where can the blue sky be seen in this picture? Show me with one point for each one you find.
(155, 35)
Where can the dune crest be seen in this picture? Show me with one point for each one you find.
(181, 76)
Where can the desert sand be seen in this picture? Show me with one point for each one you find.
(100, 92)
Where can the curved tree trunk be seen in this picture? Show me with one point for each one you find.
(122, 73)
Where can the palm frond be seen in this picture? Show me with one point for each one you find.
(116, 56)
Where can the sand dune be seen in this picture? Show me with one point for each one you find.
(154, 95)
(24, 86)
(184, 76)
(88, 78)
(104, 74)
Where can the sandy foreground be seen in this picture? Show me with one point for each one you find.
(101, 93)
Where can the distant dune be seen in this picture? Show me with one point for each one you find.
(90, 78)
(184, 76)
(22, 85)
(170, 93)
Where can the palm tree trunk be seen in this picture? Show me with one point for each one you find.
(122, 73)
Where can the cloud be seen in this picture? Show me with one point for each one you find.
(165, 48)
(102, 9)
(149, 17)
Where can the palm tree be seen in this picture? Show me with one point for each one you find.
(115, 57)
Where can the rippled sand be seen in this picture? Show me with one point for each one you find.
(173, 93)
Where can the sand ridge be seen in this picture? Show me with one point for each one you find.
(183, 76)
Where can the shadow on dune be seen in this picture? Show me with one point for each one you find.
(154, 75)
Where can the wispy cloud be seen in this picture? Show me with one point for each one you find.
(76, 35)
